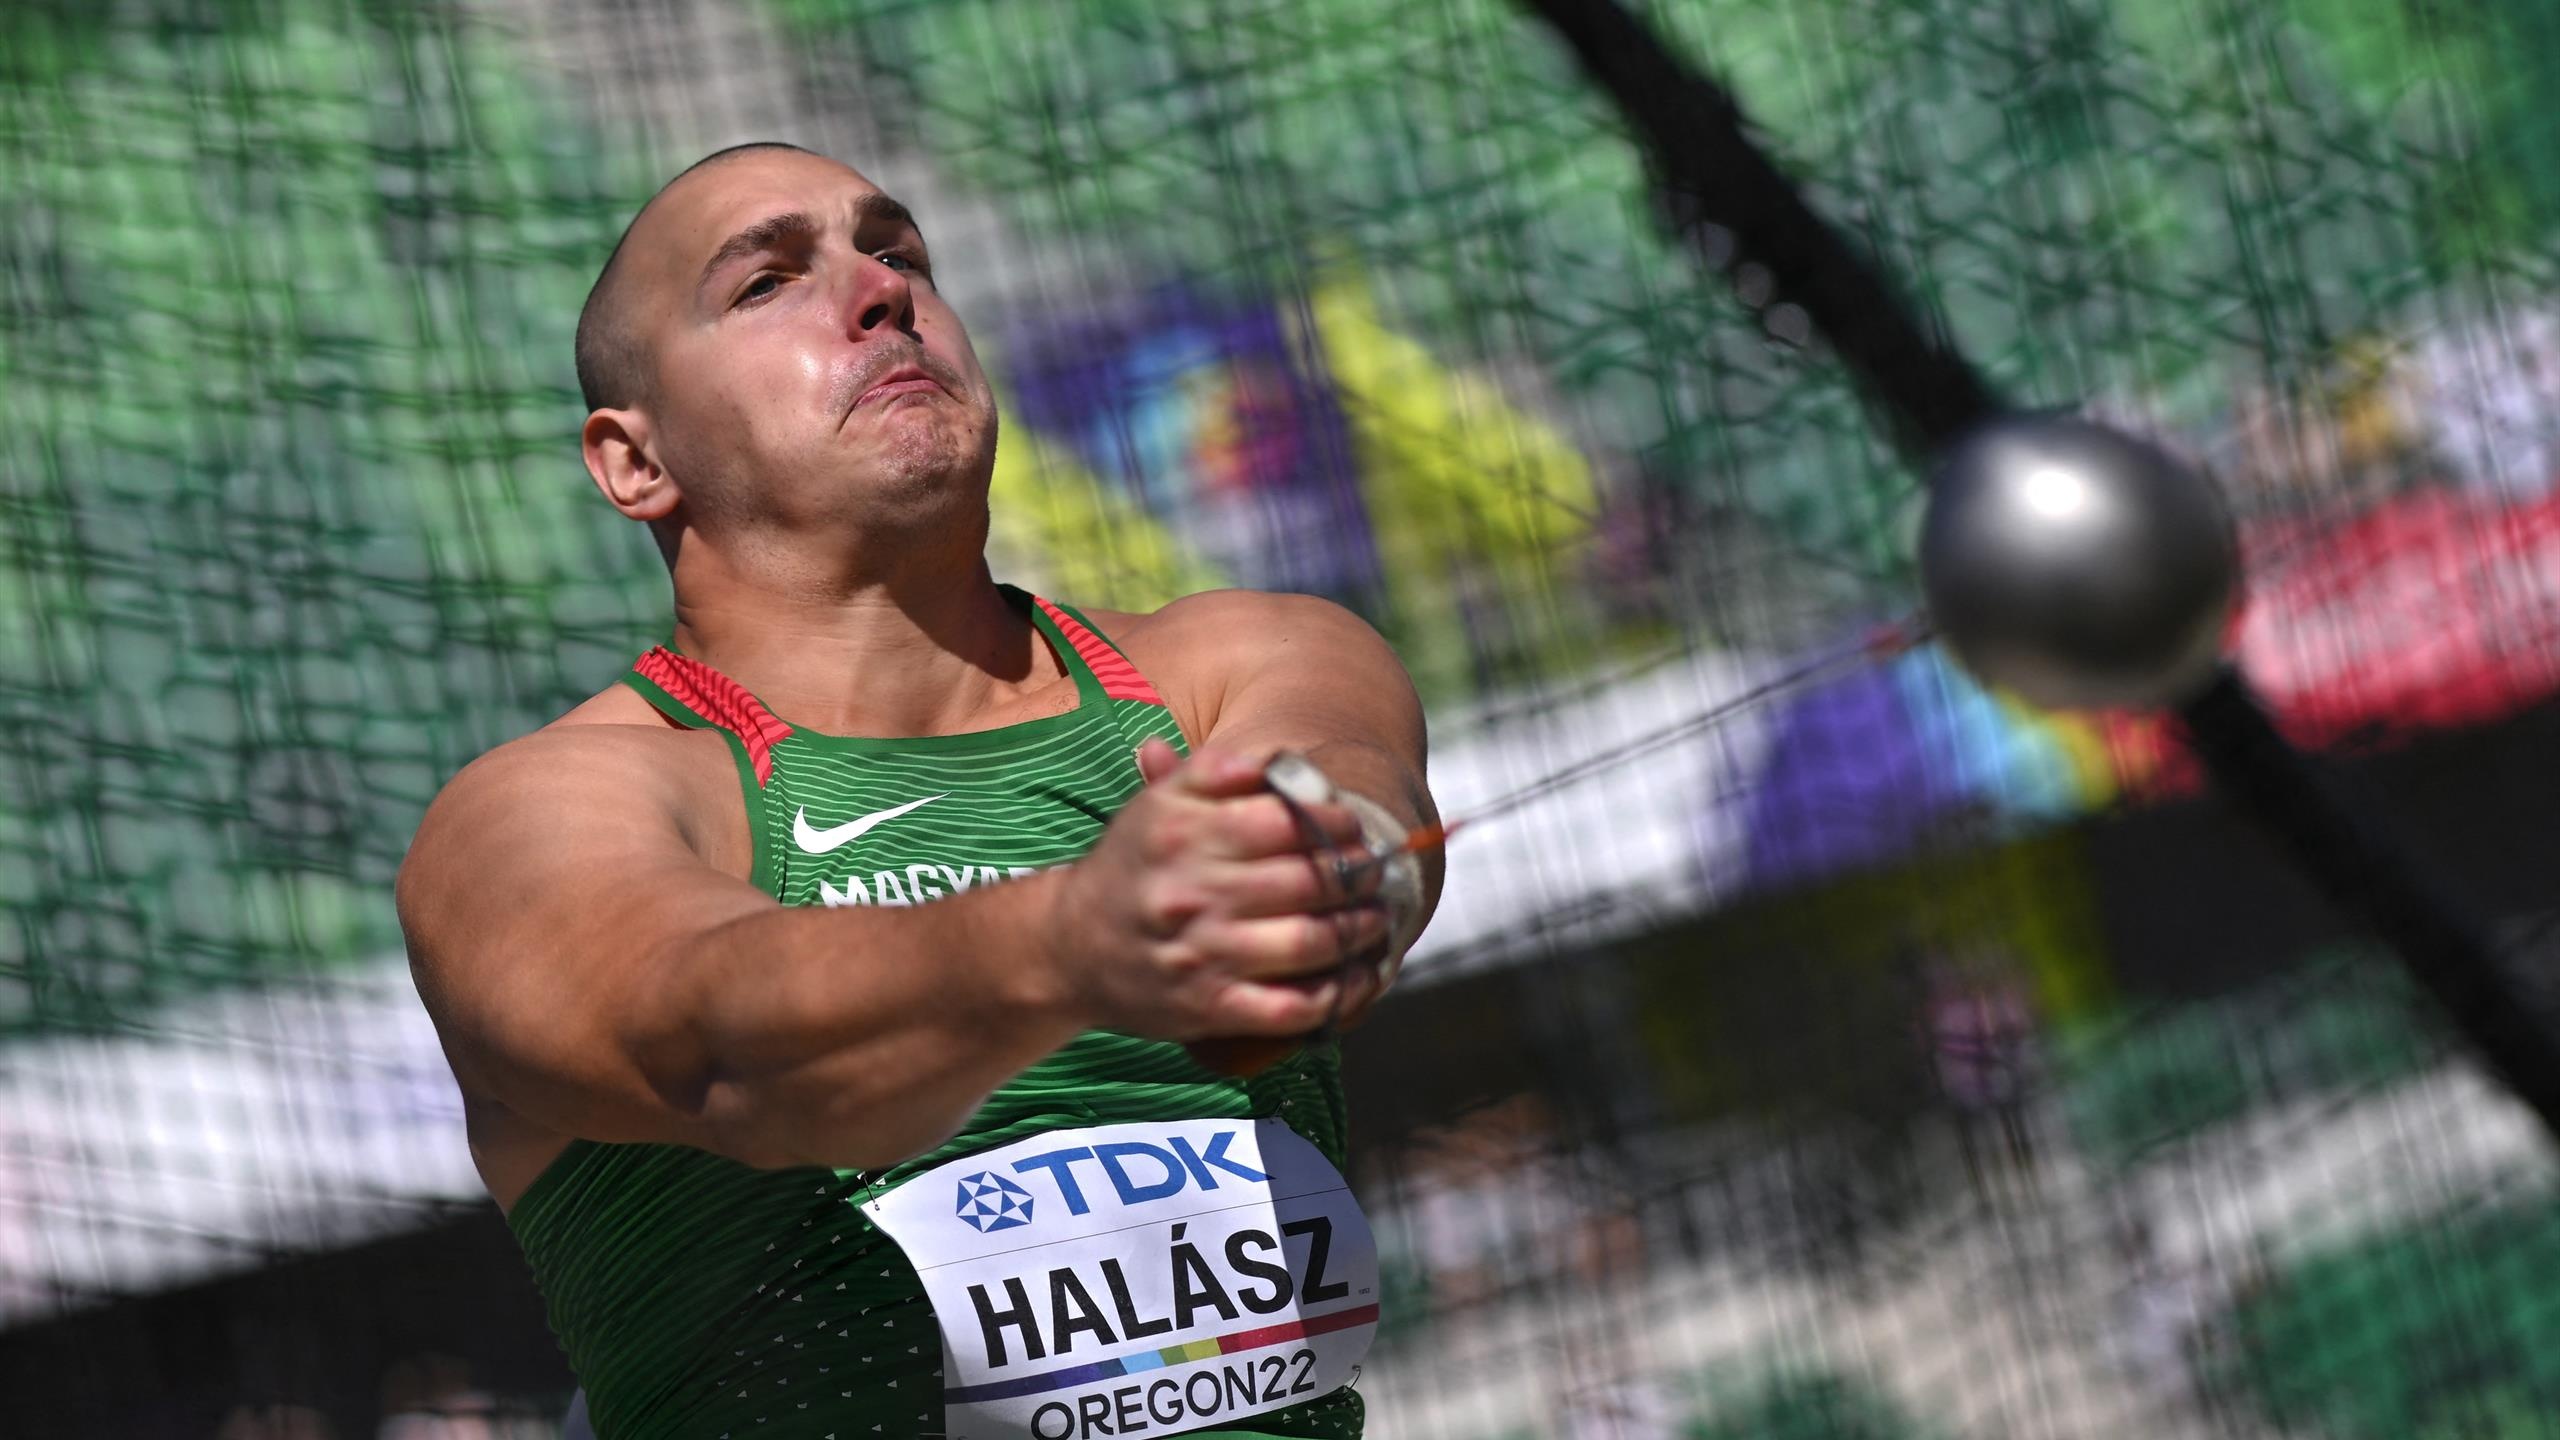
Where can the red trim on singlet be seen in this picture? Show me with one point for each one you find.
(722, 701)
(1120, 679)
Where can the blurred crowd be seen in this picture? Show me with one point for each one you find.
(2473, 404)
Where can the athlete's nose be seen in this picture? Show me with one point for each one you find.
(881, 299)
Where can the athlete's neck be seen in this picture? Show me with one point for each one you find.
(924, 654)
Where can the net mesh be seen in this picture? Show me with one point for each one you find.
(1879, 1059)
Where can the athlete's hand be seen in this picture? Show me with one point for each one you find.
(1211, 909)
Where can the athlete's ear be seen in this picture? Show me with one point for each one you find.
(623, 461)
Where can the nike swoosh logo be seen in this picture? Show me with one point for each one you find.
(819, 842)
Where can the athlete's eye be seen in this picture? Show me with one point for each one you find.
(906, 262)
(758, 288)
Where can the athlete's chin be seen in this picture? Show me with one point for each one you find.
(932, 456)
(927, 481)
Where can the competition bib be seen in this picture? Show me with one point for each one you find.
(1138, 1279)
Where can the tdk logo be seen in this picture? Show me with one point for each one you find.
(1134, 1170)
(990, 1202)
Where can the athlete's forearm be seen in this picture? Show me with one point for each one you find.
(857, 1037)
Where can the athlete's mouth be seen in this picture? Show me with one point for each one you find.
(905, 380)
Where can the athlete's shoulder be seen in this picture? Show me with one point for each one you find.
(1225, 626)
(614, 729)
(615, 705)
(1201, 650)
(609, 763)
(612, 741)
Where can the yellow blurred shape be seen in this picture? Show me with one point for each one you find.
(1433, 439)
(1059, 529)
(1472, 499)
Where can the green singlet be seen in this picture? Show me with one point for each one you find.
(701, 1298)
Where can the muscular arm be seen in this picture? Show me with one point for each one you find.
(589, 970)
(1292, 672)
(592, 972)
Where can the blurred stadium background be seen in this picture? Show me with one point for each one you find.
(1885, 1060)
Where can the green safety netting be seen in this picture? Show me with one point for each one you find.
(291, 524)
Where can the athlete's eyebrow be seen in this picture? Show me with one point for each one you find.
(884, 209)
(766, 234)
(799, 227)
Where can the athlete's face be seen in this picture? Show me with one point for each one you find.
(806, 368)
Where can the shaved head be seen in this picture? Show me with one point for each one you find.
(770, 372)
(613, 364)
